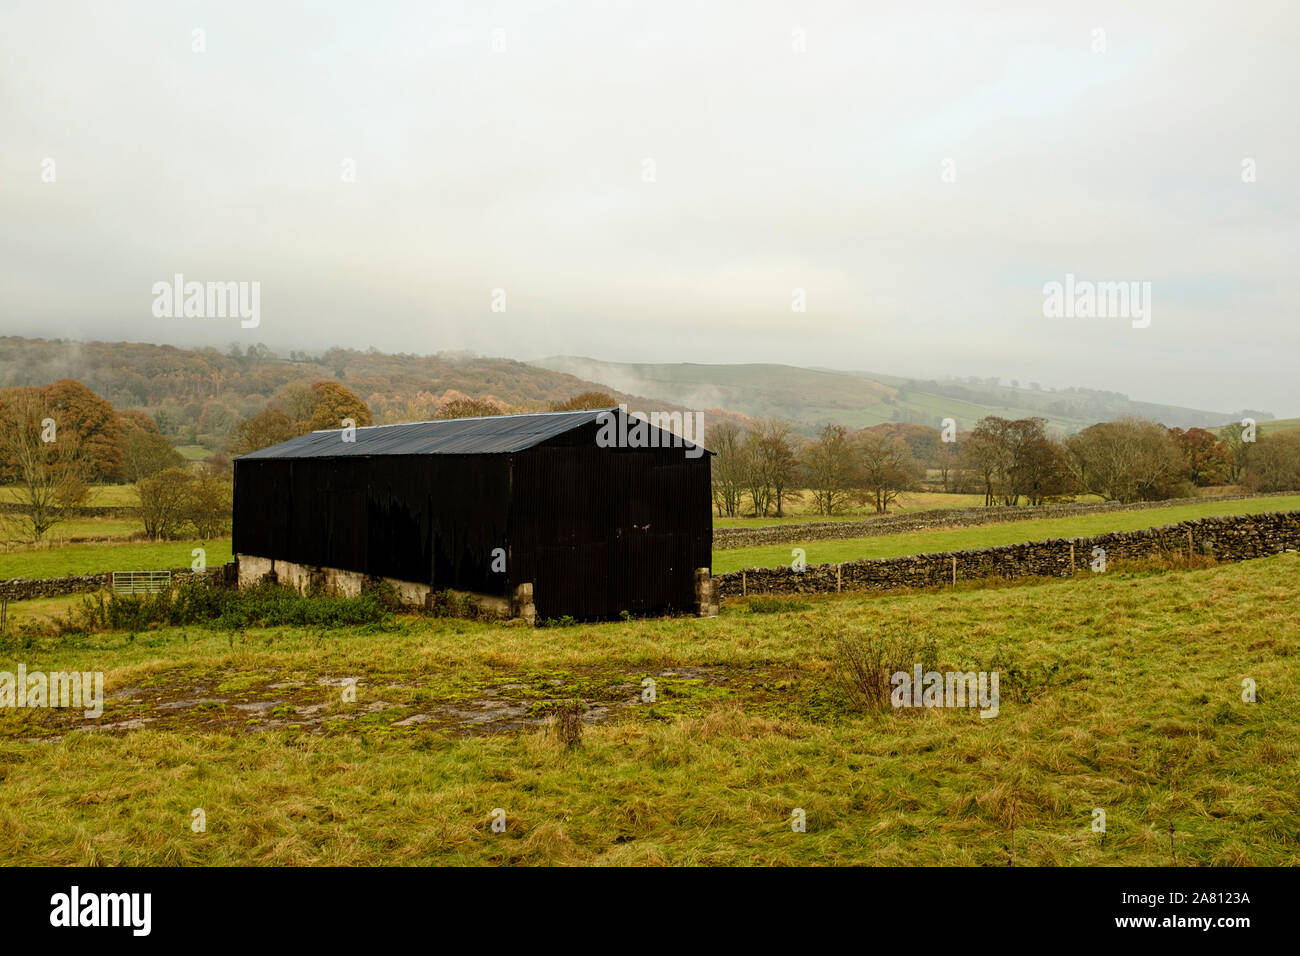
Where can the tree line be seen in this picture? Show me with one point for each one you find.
(758, 469)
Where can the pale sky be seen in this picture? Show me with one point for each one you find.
(524, 168)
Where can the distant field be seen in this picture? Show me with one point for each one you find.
(801, 510)
(194, 452)
(1011, 532)
(14, 534)
(1119, 691)
(101, 496)
(97, 558)
(1279, 425)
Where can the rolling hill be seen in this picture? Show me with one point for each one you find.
(814, 396)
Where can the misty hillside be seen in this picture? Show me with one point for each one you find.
(812, 397)
(205, 390)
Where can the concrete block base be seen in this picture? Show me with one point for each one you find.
(255, 570)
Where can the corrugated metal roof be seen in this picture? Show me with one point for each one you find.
(496, 434)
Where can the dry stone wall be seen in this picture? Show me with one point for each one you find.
(25, 589)
(793, 533)
(1231, 538)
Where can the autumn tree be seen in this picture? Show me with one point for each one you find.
(268, 427)
(1205, 458)
(94, 421)
(333, 404)
(594, 401)
(469, 408)
(145, 451)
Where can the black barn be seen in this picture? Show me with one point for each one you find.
(484, 505)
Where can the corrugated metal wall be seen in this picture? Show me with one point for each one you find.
(430, 519)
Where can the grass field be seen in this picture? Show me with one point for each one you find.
(799, 511)
(100, 496)
(1279, 425)
(97, 558)
(14, 533)
(1121, 693)
(984, 536)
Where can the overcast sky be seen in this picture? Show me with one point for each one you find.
(791, 146)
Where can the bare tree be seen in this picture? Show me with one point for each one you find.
(46, 463)
(945, 461)
(754, 471)
(728, 468)
(780, 459)
(770, 465)
(166, 502)
(887, 467)
(980, 458)
(830, 469)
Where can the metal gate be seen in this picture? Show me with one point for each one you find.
(141, 582)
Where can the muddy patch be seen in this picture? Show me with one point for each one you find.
(253, 702)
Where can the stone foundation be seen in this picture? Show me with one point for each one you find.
(308, 580)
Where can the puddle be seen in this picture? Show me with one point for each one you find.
(413, 720)
(260, 706)
(190, 702)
